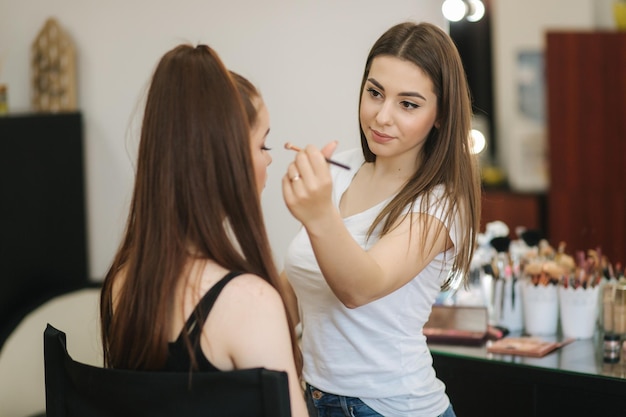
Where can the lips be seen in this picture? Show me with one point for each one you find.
(380, 137)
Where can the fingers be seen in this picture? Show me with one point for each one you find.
(293, 174)
(294, 189)
(307, 184)
(310, 150)
(288, 195)
(329, 148)
(309, 167)
(311, 162)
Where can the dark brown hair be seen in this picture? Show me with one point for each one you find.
(249, 95)
(446, 157)
(193, 183)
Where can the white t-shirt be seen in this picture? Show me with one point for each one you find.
(376, 352)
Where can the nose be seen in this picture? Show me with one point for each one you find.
(383, 116)
(269, 158)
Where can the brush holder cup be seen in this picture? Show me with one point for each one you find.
(541, 309)
(579, 311)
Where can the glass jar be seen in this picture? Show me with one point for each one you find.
(619, 310)
(608, 299)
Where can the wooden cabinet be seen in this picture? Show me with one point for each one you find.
(586, 102)
(514, 209)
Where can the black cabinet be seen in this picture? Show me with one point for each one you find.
(480, 384)
(43, 250)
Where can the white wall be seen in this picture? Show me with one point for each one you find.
(306, 56)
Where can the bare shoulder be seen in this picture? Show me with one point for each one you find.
(246, 326)
(252, 285)
(258, 311)
(252, 293)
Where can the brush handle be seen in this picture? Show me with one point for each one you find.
(292, 147)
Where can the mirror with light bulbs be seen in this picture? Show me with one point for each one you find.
(456, 10)
(469, 28)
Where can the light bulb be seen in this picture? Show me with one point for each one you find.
(454, 10)
(477, 141)
(476, 10)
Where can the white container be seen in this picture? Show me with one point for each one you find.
(579, 311)
(541, 309)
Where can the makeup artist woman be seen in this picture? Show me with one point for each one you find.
(379, 241)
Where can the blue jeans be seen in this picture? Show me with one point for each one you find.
(323, 404)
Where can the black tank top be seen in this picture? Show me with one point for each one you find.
(178, 359)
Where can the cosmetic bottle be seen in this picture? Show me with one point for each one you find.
(611, 348)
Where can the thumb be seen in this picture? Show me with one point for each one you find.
(330, 147)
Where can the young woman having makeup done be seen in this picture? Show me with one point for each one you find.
(195, 230)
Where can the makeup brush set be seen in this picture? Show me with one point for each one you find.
(530, 287)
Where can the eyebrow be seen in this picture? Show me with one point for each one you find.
(404, 93)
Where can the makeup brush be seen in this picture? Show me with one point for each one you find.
(291, 147)
(532, 237)
(501, 245)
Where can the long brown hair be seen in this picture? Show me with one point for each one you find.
(446, 157)
(193, 177)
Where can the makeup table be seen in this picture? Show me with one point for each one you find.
(571, 381)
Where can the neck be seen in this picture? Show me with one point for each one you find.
(398, 168)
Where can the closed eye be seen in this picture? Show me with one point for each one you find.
(374, 93)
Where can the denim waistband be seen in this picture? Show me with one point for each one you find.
(345, 406)
(342, 405)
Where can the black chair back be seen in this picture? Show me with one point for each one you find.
(74, 389)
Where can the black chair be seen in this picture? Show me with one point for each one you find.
(75, 389)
